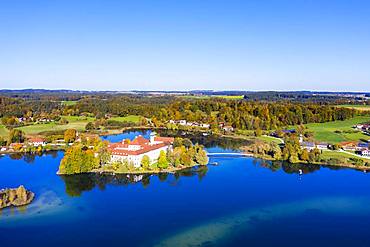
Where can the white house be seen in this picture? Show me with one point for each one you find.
(322, 145)
(134, 151)
(365, 152)
(182, 122)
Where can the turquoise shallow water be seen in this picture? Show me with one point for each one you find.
(240, 202)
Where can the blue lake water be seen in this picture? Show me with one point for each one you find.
(240, 202)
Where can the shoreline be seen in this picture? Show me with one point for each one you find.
(219, 135)
(142, 172)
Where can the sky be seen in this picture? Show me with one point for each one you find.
(321, 45)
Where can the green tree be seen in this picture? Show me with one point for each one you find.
(78, 160)
(201, 157)
(145, 162)
(162, 160)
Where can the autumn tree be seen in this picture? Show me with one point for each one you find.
(70, 135)
(16, 135)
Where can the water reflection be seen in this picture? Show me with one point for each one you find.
(76, 184)
(292, 168)
(29, 158)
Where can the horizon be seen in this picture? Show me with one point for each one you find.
(189, 45)
(184, 91)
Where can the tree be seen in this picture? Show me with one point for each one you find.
(70, 135)
(16, 135)
(187, 143)
(304, 155)
(162, 160)
(89, 126)
(258, 132)
(201, 157)
(78, 160)
(145, 162)
(276, 151)
(2, 141)
(63, 121)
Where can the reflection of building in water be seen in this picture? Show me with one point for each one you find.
(138, 178)
(134, 151)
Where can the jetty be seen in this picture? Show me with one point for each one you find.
(229, 154)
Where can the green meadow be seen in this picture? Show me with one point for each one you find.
(75, 122)
(69, 102)
(326, 132)
(3, 131)
(129, 118)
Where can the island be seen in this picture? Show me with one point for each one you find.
(139, 156)
(15, 197)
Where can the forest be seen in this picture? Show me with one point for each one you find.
(243, 114)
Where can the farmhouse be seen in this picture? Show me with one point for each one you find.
(134, 151)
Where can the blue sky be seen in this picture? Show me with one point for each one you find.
(185, 44)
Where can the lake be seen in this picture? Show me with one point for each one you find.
(240, 202)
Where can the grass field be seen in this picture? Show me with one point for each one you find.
(75, 122)
(329, 154)
(325, 132)
(270, 139)
(69, 102)
(357, 107)
(129, 118)
(3, 131)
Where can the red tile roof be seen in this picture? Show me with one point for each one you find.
(168, 140)
(36, 139)
(122, 149)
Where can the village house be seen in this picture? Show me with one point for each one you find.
(191, 124)
(308, 145)
(36, 141)
(365, 152)
(134, 151)
(348, 146)
(227, 128)
(322, 145)
(361, 146)
(362, 127)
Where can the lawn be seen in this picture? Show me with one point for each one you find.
(325, 132)
(357, 107)
(3, 131)
(129, 118)
(75, 122)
